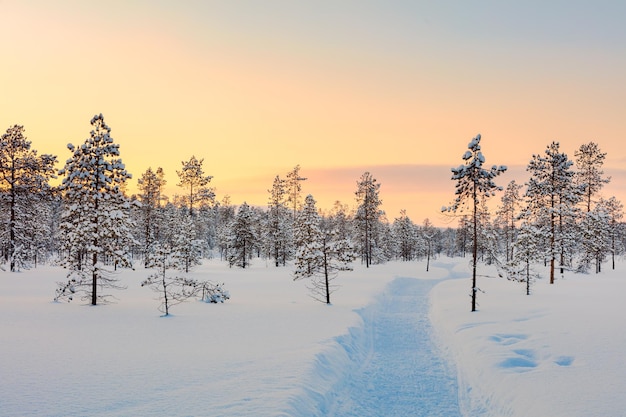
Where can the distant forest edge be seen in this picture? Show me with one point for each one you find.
(90, 225)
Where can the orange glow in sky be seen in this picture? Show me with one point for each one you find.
(395, 88)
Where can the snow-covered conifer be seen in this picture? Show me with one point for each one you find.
(507, 214)
(595, 236)
(428, 234)
(368, 215)
(474, 183)
(308, 240)
(405, 237)
(95, 226)
(186, 247)
(24, 177)
(242, 239)
(321, 251)
(224, 219)
(615, 211)
(150, 186)
(294, 188)
(552, 197)
(526, 250)
(589, 175)
(279, 230)
(589, 178)
(193, 178)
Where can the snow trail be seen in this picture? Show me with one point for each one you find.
(390, 366)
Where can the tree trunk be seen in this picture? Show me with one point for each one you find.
(94, 278)
(474, 248)
(326, 275)
(527, 276)
(12, 222)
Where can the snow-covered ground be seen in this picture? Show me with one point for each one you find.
(273, 351)
(557, 352)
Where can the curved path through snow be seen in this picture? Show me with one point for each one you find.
(393, 366)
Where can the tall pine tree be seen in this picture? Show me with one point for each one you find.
(96, 225)
(473, 184)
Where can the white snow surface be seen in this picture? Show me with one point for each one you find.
(394, 343)
(557, 352)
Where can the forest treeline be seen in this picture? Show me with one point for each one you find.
(90, 224)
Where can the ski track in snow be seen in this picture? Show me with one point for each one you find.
(388, 367)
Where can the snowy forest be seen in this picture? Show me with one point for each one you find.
(92, 226)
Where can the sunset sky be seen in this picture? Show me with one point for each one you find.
(397, 88)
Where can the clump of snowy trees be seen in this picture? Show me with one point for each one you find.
(321, 251)
(90, 224)
(571, 225)
(556, 221)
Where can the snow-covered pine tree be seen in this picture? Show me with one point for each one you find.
(279, 230)
(463, 242)
(193, 178)
(428, 234)
(224, 219)
(595, 234)
(615, 210)
(24, 177)
(473, 184)
(259, 226)
(242, 239)
(341, 220)
(308, 240)
(488, 236)
(526, 250)
(95, 226)
(187, 248)
(294, 188)
(368, 215)
(150, 186)
(552, 196)
(405, 236)
(321, 251)
(507, 214)
(589, 175)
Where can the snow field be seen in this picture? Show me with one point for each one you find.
(245, 357)
(273, 351)
(557, 352)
